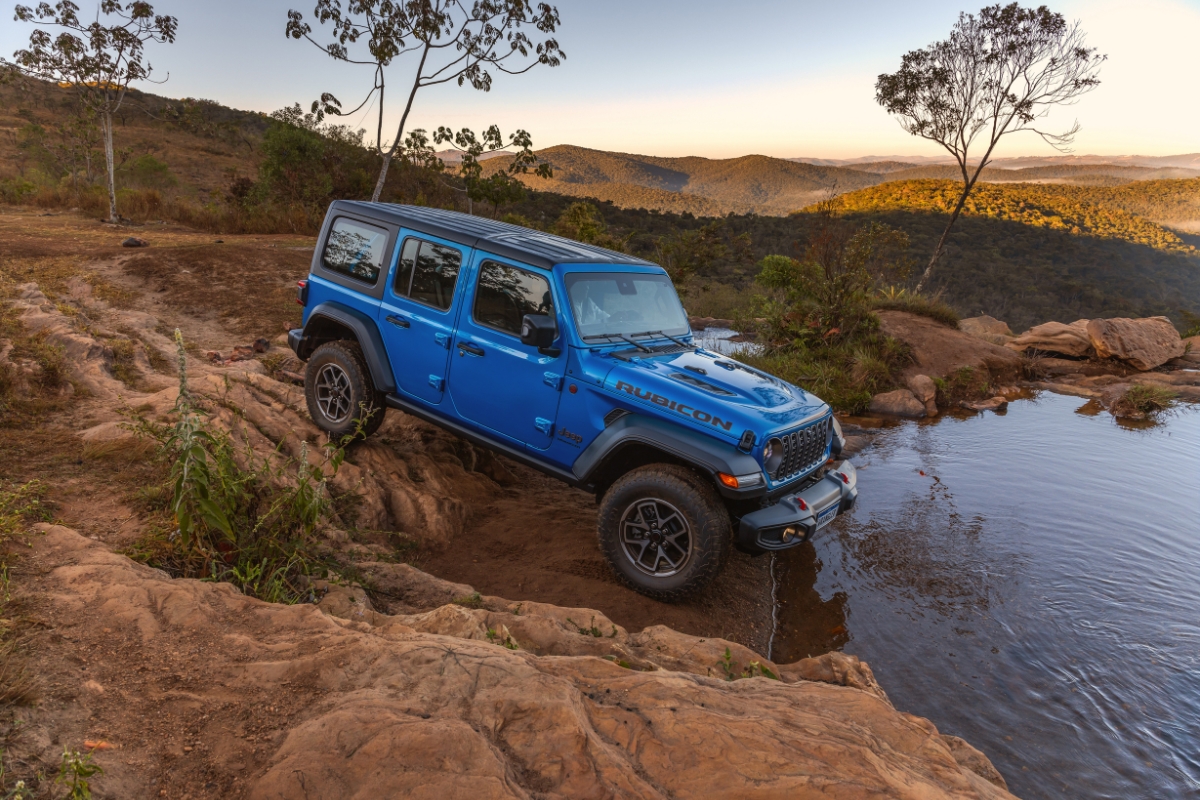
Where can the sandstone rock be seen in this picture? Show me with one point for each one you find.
(389, 710)
(939, 351)
(1144, 343)
(925, 390)
(984, 326)
(899, 403)
(1055, 337)
(1055, 367)
(991, 404)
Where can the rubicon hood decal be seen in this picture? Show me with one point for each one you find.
(680, 408)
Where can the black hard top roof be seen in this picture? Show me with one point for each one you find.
(511, 241)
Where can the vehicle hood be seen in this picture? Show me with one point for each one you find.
(715, 391)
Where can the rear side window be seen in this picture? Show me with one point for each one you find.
(427, 273)
(506, 294)
(355, 249)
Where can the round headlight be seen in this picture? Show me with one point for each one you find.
(772, 455)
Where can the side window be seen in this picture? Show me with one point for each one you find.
(427, 273)
(404, 270)
(355, 249)
(506, 294)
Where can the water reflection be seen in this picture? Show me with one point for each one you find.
(1030, 583)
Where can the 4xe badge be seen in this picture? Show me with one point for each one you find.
(573, 439)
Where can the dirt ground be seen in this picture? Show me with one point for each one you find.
(534, 539)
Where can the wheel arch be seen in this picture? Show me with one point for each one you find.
(330, 322)
(635, 441)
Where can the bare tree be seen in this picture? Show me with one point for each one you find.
(450, 40)
(998, 73)
(96, 61)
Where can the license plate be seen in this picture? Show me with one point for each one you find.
(827, 516)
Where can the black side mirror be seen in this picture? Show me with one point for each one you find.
(539, 330)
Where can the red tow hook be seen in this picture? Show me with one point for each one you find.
(301, 293)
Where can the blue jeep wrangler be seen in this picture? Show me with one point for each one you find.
(576, 361)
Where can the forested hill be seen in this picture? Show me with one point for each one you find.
(1024, 253)
(763, 185)
(701, 186)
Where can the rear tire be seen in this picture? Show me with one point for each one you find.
(664, 531)
(338, 387)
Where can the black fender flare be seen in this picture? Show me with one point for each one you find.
(365, 331)
(692, 447)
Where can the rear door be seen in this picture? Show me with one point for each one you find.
(416, 316)
(495, 381)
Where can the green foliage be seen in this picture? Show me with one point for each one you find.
(913, 303)
(75, 772)
(1190, 324)
(754, 669)
(472, 600)
(690, 252)
(827, 294)
(148, 172)
(583, 223)
(1143, 400)
(239, 518)
(965, 383)
(308, 164)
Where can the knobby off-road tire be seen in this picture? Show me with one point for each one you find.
(338, 386)
(644, 519)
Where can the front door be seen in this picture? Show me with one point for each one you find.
(416, 316)
(495, 381)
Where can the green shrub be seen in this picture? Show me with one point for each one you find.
(1144, 401)
(239, 518)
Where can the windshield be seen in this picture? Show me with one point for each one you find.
(612, 304)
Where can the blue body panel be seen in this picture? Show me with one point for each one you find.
(553, 406)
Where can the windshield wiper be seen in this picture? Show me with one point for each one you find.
(665, 335)
(620, 336)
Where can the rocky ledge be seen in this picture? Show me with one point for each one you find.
(192, 685)
(1098, 358)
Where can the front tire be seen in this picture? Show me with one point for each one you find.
(338, 388)
(664, 531)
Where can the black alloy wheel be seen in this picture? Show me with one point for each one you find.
(664, 531)
(339, 390)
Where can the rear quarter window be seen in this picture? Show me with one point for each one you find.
(355, 249)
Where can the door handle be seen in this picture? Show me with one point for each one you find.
(468, 347)
(399, 322)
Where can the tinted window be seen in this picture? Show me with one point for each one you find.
(434, 275)
(506, 294)
(404, 270)
(355, 249)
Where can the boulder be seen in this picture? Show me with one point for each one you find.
(1055, 337)
(899, 403)
(925, 390)
(984, 327)
(1191, 354)
(991, 404)
(134, 241)
(1143, 343)
(938, 350)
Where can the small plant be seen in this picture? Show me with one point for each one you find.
(508, 642)
(1142, 401)
(75, 772)
(1191, 324)
(591, 630)
(754, 669)
(473, 600)
(965, 383)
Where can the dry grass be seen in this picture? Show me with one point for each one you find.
(1141, 401)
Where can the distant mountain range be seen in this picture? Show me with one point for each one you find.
(1189, 161)
(776, 186)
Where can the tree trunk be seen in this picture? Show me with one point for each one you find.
(108, 159)
(383, 171)
(937, 251)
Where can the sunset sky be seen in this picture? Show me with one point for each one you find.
(692, 77)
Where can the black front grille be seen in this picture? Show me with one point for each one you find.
(804, 449)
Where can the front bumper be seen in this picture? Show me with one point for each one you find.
(793, 520)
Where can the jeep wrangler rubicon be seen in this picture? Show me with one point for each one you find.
(576, 361)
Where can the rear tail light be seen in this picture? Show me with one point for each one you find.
(301, 293)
